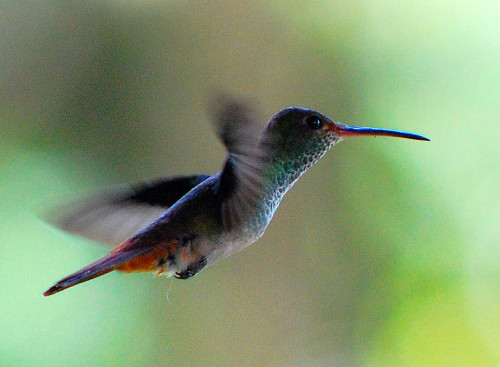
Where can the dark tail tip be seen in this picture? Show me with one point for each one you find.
(89, 272)
(96, 269)
(53, 290)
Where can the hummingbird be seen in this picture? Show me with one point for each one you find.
(179, 226)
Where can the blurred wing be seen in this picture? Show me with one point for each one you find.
(113, 216)
(240, 183)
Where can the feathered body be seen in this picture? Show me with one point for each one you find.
(206, 219)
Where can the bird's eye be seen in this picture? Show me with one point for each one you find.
(314, 123)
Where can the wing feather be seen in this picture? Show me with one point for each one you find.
(113, 216)
(241, 180)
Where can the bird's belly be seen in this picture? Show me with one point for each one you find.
(239, 238)
(229, 245)
(176, 255)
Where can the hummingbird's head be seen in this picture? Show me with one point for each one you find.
(300, 130)
(294, 139)
(305, 131)
(301, 136)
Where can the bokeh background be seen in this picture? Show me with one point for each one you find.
(386, 253)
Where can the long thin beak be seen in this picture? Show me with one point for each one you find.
(348, 131)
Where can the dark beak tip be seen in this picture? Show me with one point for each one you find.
(421, 137)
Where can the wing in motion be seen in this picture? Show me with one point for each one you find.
(241, 178)
(114, 215)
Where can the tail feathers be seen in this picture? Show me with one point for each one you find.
(100, 267)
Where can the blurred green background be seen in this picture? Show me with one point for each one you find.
(386, 253)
